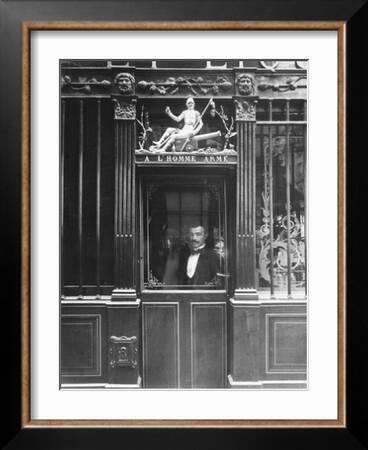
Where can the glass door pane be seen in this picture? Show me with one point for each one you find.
(184, 234)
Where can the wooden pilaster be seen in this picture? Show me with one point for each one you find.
(246, 199)
(125, 189)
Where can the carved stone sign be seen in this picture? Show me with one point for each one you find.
(185, 158)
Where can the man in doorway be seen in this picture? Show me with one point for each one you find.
(200, 264)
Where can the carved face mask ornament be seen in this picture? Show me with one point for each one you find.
(124, 82)
(245, 85)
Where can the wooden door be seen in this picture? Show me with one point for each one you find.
(184, 340)
(184, 328)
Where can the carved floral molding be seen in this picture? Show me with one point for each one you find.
(186, 85)
(124, 110)
(245, 110)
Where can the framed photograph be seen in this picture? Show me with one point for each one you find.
(183, 217)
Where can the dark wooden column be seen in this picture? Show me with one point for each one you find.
(124, 310)
(125, 252)
(244, 310)
(246, 199)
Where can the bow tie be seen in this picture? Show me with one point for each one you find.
(196, 252)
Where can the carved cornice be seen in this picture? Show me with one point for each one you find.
(282, 84)
(85, 85)
(124, 108)
(271, 78)
(245, 110)
(187, 85)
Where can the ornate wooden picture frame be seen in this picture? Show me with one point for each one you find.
(21, 167)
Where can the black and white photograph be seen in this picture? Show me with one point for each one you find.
(183, 224)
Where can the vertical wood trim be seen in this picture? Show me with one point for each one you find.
(98, 200)
(148, 256)
(123, 178)
(80, 196)
(238, 204)
(254, 201)
(62, 159)
(225, 224)
(128, 172)
(248, 175)
(124, 205)
(116, 209)
(245, 217)
(122, 200)
(241, 207)
(132, 234)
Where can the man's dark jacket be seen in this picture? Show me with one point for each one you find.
(207, 267)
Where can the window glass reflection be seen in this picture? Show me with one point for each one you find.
(280, 209)
(184, 245)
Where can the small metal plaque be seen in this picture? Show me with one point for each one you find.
(123, 351)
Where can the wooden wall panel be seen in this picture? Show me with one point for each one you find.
(124, 322)
(208, 339)
(81, 345)
(286, 343)
(268, 345)
(161, 360)
(245, 343)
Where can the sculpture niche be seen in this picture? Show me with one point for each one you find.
(186, 139)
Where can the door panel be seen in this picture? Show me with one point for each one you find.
(208, 333)
(184, 342)
(184, 324)
(160, 345)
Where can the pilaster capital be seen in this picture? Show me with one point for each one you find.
(125, 107)
(245, 109)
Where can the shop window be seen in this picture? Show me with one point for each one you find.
(184, 234)
(297, 110)
(280, 208)
(87, 198)
(279, 110)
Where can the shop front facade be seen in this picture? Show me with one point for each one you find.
(160, 157)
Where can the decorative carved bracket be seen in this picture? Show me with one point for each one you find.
(124, 109)
(245, 110)
(123, 351)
